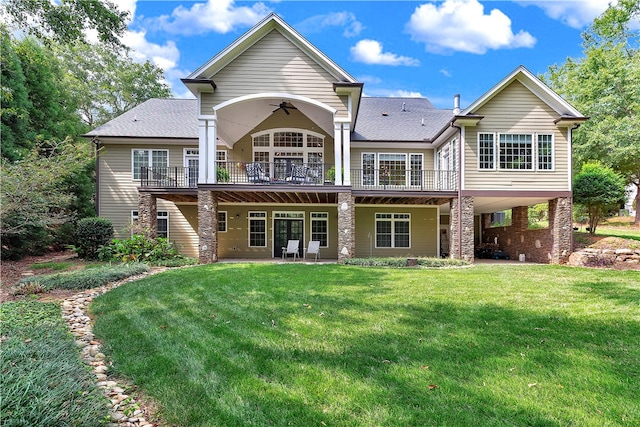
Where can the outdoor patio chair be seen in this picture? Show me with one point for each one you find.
(313, 249)
(255, 174)
(292, 248)
(298, 174)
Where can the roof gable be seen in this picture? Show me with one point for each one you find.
(260, 30)
(533, 84)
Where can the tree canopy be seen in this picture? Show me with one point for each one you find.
(605, 85)
(67, 20)
(599, 189)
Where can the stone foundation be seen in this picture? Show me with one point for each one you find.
(147, 224)
(207, 227)
(346, 226)
(461, 232)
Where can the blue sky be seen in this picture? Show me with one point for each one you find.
(434, 49)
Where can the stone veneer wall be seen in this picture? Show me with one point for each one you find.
(207, 226)
(465, 226)
(346, 226)
(546, 245)
(147, 216)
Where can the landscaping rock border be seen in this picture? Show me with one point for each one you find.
(588, 256)
(124, 410)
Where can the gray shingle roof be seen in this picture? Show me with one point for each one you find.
(384, 119)
(178, 118)
(155, 118)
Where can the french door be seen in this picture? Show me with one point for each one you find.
(287, 226)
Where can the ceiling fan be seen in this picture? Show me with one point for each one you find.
(284, 106)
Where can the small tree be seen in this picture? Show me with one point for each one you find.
(600, 190)
(91, 234)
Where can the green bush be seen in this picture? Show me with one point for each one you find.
(91, 233)
(402, 262)
(139, 248)
(86, 279)
(44, 383)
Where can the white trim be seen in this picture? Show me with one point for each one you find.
(159, 215)
(150, 159)
(494, 149)
(325, 219)
(266, 229)
(393, 220)
(226, 222)
(280, 95)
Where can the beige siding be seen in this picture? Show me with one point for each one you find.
(119, 195)
(516, 110)
(424, 232)
(274, 64)
(234, 243)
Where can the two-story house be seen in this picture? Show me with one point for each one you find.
(280, 144)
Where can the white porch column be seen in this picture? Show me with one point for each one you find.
(346, 153)
(207, 137)
(337, 147)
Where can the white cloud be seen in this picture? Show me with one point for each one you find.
(575, 14)
(164, 56)
(370, 52)
(462, 25)
(316, 24)
(445, 72)
(219, 16)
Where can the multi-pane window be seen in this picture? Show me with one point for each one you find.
(416, 168)
(257, 229)
(486, 151)
(545, 152)
(393, 230)
(320, 228)
(162, 224)
(392, 168)
(222, 221)
(288, 139)
(516, 151)
(368, 168)
(155, 159)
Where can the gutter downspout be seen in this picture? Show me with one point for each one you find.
(459, 179)
(96, 143)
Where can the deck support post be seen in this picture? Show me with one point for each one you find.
(207, 227)
(147, 216)
(461, 243)
(346, 226)
(561, 226)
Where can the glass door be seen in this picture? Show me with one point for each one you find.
(287, 226)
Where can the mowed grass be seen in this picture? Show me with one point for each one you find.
(331, 345)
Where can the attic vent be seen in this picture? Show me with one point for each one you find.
(384, 113)
(404, 106)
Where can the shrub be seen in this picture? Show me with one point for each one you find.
(28, 288)
(91, 233)
(86, 279)
(139, 248)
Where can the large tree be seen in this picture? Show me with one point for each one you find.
(106, 82)
(66, 21)
(605, 85)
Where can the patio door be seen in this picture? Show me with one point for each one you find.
(287, 226)
(191, 160)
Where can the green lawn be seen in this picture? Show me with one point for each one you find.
(331, 345)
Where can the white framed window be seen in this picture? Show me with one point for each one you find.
(368, 168)
(257, 229)
(162, 224)
(393, 230)
(516, 151)
(155, 159)
(320, 228)
(222, 221)
(298, 145)
(416, 162)
(393, 168)
(545, 152)
(486, 151)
